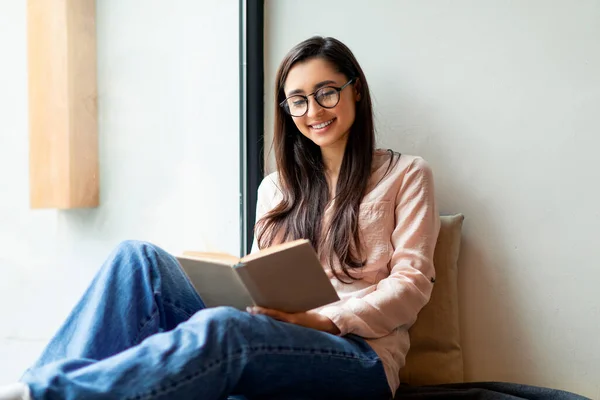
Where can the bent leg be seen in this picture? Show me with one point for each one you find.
(140, 290)
(222, 351)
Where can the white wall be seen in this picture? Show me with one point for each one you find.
(502, 99)
(169, 156)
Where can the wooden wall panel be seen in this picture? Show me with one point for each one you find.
(63, 128)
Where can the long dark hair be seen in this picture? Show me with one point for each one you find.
(301, 169)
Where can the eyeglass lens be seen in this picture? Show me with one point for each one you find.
(326, 97)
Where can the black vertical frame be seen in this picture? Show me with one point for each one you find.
(254, 117)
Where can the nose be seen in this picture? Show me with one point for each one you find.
(314, 108)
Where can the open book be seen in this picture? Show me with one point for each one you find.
(286, 277)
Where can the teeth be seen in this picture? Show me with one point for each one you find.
(323, 125)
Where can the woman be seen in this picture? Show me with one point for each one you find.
(141, 331)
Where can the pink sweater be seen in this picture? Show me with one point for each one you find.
(399, 224)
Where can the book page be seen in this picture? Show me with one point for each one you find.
(217, 284)
(291, 279)
(274, 249)
(218, 257)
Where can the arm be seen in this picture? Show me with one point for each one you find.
(265, 200)
(397, 299)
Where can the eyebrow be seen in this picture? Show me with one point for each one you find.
(318, 85)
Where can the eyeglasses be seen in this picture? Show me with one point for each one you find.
(326, 97)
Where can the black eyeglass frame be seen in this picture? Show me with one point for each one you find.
(286, 108)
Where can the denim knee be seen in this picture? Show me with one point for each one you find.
(128, 247)
(223, 319)
(146, 250)
(132, 255)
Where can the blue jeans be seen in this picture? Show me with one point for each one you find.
(142, 332)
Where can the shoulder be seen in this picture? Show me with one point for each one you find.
(395, 166)
(394, 174)
(269, 190)
(270, 183)
(419, 167)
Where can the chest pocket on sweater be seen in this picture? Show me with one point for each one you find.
(375, 224)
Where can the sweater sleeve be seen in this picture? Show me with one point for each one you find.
(398, 298)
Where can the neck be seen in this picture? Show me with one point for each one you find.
(332, 160)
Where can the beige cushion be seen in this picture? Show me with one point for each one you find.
(435, 355)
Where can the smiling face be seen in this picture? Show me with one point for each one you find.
(326, 127)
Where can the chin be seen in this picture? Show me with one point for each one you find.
(327, 141)
(323, 142)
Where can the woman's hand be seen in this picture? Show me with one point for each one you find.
(309, 319)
